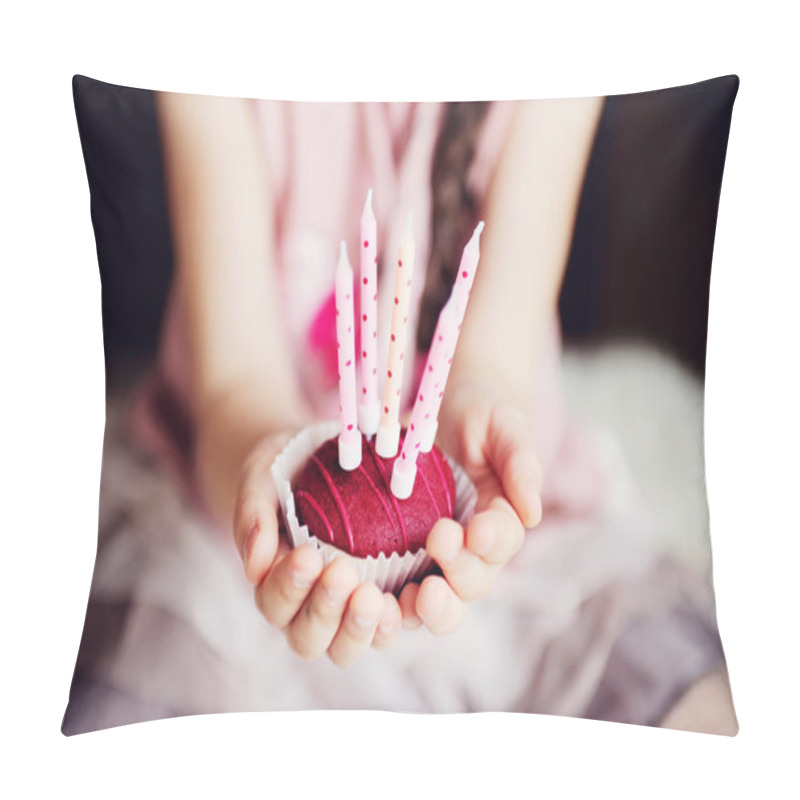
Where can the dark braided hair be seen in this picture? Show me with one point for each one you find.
(455, 210)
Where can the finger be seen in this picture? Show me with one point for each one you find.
(520, 478)
(408, 606)
(472, 438)
(390, 623)
(287, 585)
(312, 630)
(514, 462)
(255, 518)
(438, 606)
(358, 625)
(495, 534)
(465, 571)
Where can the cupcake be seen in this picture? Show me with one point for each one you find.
(361, 487)
(354, 513)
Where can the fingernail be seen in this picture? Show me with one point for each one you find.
(435, 610)
(362, 622)
(532, 513)
(483, 545)
(248, 541)
(386, 628)
(449, 555)
(301, 579)
(533, 480)
(334, 596)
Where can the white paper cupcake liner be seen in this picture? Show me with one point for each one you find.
(390, 573)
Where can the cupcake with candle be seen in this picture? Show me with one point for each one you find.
(361, 486)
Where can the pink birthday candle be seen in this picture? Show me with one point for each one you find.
(389, 429)
(429, 398)
(466, 271)
(369, 405)
(349, 435)
(461, 291)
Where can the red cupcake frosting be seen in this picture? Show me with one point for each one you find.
(356, 511)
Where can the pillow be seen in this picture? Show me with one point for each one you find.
(609, 205)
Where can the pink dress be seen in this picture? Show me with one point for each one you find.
(323, 158)
(564, 630)
(329, 155)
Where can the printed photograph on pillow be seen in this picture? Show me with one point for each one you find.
(404, 407)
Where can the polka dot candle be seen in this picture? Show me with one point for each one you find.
(461, 290)
(428, 400)
(349, 435)
(369, 404)
(466, 271)
(389, 428)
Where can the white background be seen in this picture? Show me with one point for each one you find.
(53, 403)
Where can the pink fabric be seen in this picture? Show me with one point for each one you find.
(323, 157)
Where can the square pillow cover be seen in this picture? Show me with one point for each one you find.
(287, 523)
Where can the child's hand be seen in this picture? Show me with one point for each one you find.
(320, 610)
(490, 440)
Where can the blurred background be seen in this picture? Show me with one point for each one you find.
(641, 257)
(634, 304)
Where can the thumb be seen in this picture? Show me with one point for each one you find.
(511, 455)
(255, 519)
